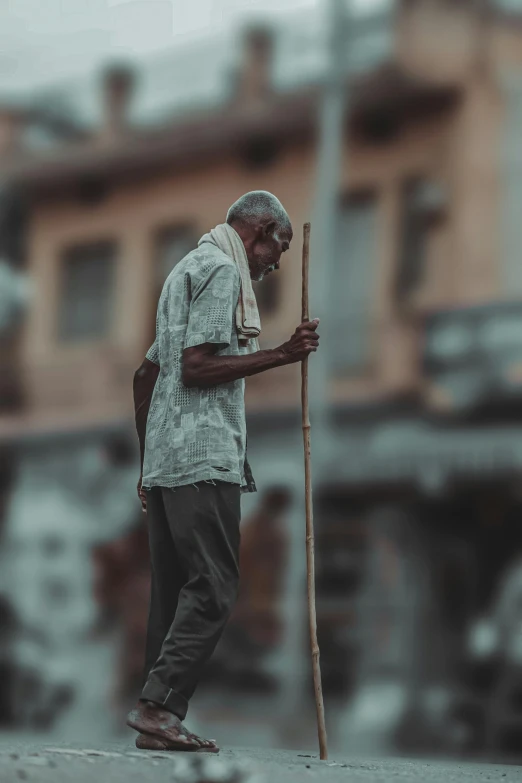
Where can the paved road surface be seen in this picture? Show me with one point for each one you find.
(118, 762)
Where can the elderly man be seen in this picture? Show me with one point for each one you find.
(190, 417)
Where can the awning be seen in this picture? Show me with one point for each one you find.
(425, 454)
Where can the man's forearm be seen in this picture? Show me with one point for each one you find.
(215, 370)
(143, 388)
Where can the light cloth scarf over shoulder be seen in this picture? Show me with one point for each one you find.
(248, 323)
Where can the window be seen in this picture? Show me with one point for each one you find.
(412, 247)
(88, 278)
(423, 204)
(172, 244)
(354, 273)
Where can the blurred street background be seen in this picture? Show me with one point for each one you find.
(127, 128)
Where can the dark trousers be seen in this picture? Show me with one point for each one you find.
(194, 551)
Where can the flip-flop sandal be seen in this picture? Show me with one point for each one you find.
(150, 742)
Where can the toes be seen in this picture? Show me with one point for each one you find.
(199, 741)
(203, 743)
(208, 743)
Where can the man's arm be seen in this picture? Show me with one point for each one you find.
(202, 368)
(143, 386)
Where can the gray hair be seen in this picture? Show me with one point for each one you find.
(256, 205)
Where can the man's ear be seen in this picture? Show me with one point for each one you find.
(269, 229)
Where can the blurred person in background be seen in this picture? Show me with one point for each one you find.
(122, 590)
(504, 709)
(190, 418)
(255, 628)
(8, 627)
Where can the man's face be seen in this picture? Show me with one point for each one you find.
(266, 251)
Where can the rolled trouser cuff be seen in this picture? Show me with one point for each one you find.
(166, 697)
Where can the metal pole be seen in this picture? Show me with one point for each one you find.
(324, 245)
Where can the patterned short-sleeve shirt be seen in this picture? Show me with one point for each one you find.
(196, 434)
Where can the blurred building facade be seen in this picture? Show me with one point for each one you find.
(419, 518)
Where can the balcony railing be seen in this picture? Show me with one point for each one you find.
(473, 357)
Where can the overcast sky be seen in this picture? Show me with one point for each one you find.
(46, 41)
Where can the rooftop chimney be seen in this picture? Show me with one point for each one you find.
(255, 77)
(118, 86)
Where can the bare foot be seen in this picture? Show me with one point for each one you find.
(148, 742)
(160, 725)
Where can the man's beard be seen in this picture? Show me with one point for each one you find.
(263, 273)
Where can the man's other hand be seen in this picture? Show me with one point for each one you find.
(142, 496)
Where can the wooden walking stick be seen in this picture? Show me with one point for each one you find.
(310, 559)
